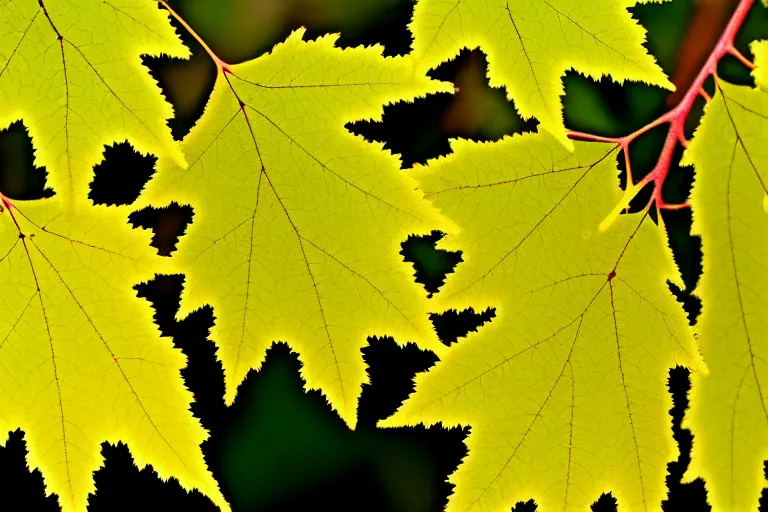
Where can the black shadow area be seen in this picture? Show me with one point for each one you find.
(17, 483)
(187, 84)
(19, 177)
(281, 448)
(431, 264)
(420, 130)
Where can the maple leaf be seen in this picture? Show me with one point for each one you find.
(531, 44)
(565, 389)
(297, 223)
(72, 71)
(728, 414)
(81, 361)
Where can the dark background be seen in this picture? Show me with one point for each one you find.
(281, 449)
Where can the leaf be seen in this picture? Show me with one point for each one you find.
(81, 361)
(72, 71)
(297, 223)
(565, 389)
(760, 51)
(531, 44)
(728, 415)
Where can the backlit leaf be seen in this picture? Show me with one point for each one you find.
(297, 226)
(565, 389)
(728, 414)
(71, 70)
(81, 361)
(530, 44)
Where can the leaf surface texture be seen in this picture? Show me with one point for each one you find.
(297, 224)
(81, 361)
(730, 199)
(531, 43)
(565, 389)
(72, 71)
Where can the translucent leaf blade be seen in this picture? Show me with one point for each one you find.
(81, 361)
(530, 44)
(728, 407)
(72, 71)
(298, 224)
(565, 389)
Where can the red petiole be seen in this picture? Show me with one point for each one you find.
(6, 204)
(220, 64)
(676, 119)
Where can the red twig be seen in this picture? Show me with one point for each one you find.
(9, 206)
(220, 64)
(676, 119)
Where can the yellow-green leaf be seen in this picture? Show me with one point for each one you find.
(760, 73)
(297, 223)
(72, 71)
(81, 361)
(565, 389)
(530, 44)
(728, 416)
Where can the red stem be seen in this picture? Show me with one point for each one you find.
(220, 64)
(676, 119)
(10, 206)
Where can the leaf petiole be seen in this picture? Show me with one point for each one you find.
(220, 64)
(8, 205)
